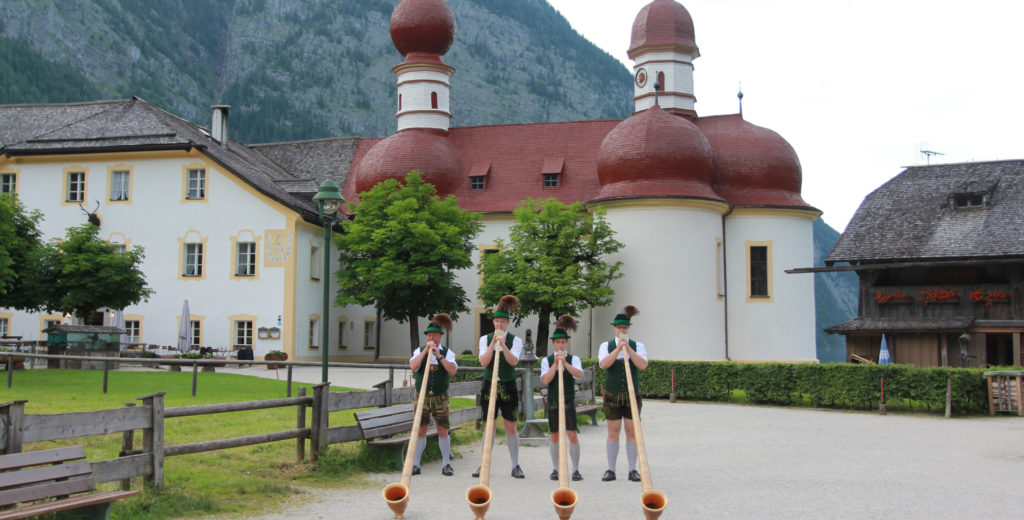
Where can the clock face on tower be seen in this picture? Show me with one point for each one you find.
(641, 77)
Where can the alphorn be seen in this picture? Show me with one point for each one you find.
(479, 496)
(652, 500)
(563, 498)
(397, 494)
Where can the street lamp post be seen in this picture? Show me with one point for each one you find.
(328, 198)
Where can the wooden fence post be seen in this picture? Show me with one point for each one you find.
(300, 423)
(289, 394)
(195, 376)
(321, 414)
(127, 445)
(153, 439)
(15, 413)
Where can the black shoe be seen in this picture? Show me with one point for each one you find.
(447, 470)
(608, 476)
(477, 472)
(634, 475)
(554, 474)
(415, 470)
(517, 472)
(576, 476)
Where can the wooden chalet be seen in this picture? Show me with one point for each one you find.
(939, 251)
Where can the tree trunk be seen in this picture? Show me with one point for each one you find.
(543, 326)
(414, 332)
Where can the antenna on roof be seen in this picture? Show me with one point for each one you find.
(928, 155)
(739, 94)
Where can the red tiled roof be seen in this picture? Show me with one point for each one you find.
(754, 166)
(655, 154)
(422, 26)
(662, 22)
(516, 154)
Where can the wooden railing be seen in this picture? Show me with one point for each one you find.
(18, 428)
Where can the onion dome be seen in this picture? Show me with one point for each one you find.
(422, 27)
(754, 166)
(662, 22)
(394, 157)
(655, 154)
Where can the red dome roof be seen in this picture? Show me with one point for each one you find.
(754, 166)
(662, 22)
(426, 150)
(655, 154)
(422, 26)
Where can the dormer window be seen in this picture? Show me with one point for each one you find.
(968, 200)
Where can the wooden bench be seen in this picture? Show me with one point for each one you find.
(379, 426)
(26, 478)
(585, 403)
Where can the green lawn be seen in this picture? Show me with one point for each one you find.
(234, 480)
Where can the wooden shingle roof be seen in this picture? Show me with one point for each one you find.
(915, 216)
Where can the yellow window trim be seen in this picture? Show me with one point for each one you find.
(241, 317)
(199, 239)
(376, 339)
(249, 236)
(768, 253)
(17, 176)
(131, 182)
(343, 325)
(64, 186)
(207, 168)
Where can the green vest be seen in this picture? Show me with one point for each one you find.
(506, 372)
(437, 381)
(615, 379)
(567, 380)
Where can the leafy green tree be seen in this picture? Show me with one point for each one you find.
(554, 262)
(20, 241)
(85, 273)
(401, 250)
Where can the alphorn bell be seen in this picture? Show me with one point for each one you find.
(563, 498)
(479, 496)
(397, 494)
(652, 500)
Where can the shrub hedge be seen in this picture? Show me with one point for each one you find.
(828, 385)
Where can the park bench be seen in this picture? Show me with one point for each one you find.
(61, 476)
(585, 403)
(379, 426)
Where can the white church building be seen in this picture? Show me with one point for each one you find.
(708, 208)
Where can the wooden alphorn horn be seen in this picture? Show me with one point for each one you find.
(563, 498)
(652, 500)
(479, 496)
(397, 494)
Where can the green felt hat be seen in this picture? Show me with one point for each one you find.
(433, 327)
(623, 318)
(564, 323)
(560, 333)
(506, 306)
(440, 322)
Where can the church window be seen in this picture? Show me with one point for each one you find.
(433, 100)
(759, 270)
(399, 102)
(476, 182)
(550, 180)
(661, 80)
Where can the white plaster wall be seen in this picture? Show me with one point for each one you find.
(415, 88)
(669, 266)
(783, 328)
(678, 69)
(155, 219)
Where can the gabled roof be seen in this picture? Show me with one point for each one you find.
(914, 216)
(134, 125)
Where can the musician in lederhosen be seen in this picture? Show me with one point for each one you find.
(549, 376)
(503, 349)
(441, 361)
(611, 356)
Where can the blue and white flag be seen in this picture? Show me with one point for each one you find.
(883, 354)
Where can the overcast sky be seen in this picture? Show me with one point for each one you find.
(858, 88)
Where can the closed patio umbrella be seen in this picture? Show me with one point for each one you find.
(883, 354)
(185, 329)
(117, 321)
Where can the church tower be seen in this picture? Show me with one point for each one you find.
(662, 47)
(423, 31)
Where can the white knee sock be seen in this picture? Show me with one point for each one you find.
(574, 454)
(553, 448)
(513, 448)
(631, 455)
(446, 450)
(421, 445)
(612, 449)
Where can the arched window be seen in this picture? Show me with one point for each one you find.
(399, 102)
(433, 100)
(661, 80)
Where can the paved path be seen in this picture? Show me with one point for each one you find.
(718, 461)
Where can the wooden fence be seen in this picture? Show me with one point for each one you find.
(18, 428)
